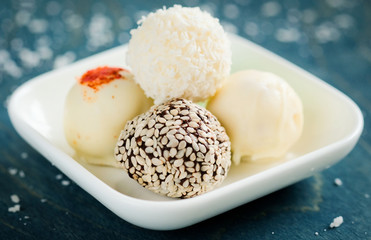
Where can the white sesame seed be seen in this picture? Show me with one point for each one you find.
(178, 122)
(183, 175)
(202, 148)
(191, 130)
(173, 152)
(193, 124)
(182, 145)
(156, 161)
(146, 178)
(171, 132)
(178, 162)
(159, 125)
(186, 183)
(149, 142)
(188, 139)
(149, 150)
(173, 143)
(140, 160)
(143, 132)
(164, 130)
(150, 132)
(174, 112)
(195, 146)
(180, 153)
(151, 123)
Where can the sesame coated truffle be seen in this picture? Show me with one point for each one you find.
(177, 149)
(179, 52)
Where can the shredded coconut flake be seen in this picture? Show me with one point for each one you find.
(38, 25)
(251, 29)
(179, 52)
(14, 198)
(65, 182)
(22, 17)
(231, 11)
(337, 222)
(15, 208)
(24, 155)
(29, 58)
(271, 9)
(99, 32)
(21, 174)
(64, 59)
(327, 32)
(287, 35)
(338, 182)
(12, 171)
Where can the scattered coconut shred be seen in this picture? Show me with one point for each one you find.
(15, 199)
(338, 182)
(337, 222)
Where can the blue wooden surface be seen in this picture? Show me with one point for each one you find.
(331, 39)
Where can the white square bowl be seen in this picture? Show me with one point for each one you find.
(332, 126)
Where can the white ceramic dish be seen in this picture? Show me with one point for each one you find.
(333, 124)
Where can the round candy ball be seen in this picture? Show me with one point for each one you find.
(261, 113)
(179, 52)
(177, 149)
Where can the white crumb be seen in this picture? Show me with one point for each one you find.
(287, 35)
(270, 9)
(15, 208)
(316, 233)
(64, 59)
(43, 200)
(65, 182)
(21, 174)
(58, 176)
(29, 58)
(38, 25)
(13, 171)
(99, 32)
(338, 182)
(14, 198)
(24, 155)
(337, 222)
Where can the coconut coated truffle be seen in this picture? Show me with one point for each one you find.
(179, 52)
(177, 149)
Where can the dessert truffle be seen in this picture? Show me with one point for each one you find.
(262, 114)
(179, 52)
(96, 110)
(177, 149)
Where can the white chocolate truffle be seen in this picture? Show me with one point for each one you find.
(179, 52)
(262, 114)
(177, 149)
(97, 108)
